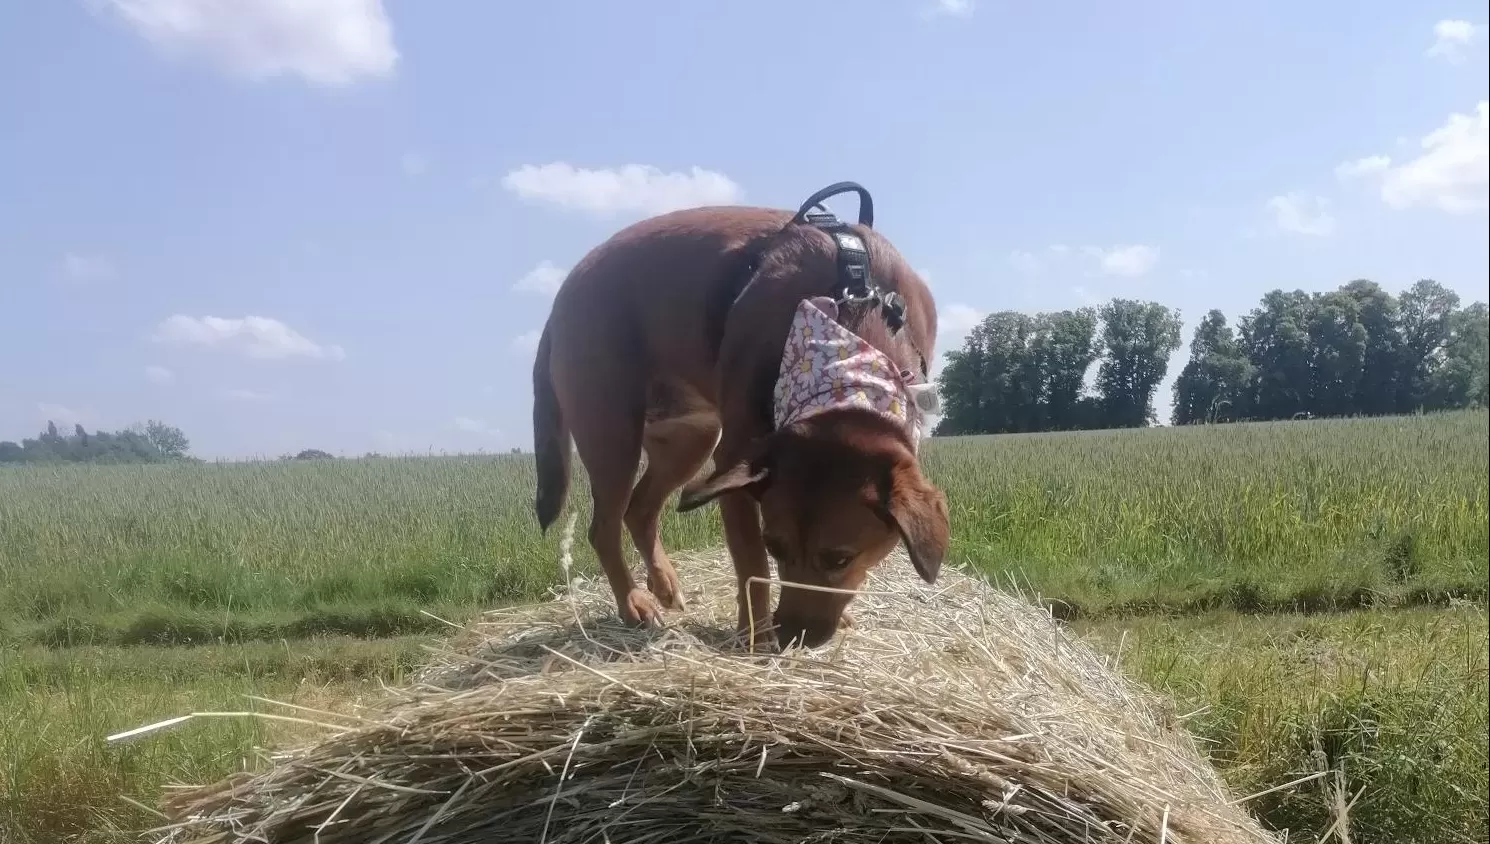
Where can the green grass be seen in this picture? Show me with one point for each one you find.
(60, 781)
(1395, 702)
(1396, 699)
(133, 593)
(1274, 516)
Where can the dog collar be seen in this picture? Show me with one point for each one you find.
(825, 366)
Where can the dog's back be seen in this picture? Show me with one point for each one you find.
(650, 303)
(668, 339)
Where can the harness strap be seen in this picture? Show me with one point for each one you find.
(855, 280)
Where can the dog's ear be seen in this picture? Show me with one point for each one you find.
(752, 475)
(918, 512)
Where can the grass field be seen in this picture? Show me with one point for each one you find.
(1208, 554)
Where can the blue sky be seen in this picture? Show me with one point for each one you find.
(335, 223)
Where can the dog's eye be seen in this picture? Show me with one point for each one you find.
(833, 560)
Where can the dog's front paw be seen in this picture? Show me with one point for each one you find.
(663, 582)
(640, 608)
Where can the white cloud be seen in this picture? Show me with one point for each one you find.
(474, 426)
(630, 189)
(413, 164)
(1362, 167)
(1453, 171)
(543, 279)
(64, 417)
(958, 319)
(1452, 38)
(331, 43)
(80, 267)
(1129, 261)
(1450, 173)
(1300, 213)
(237, 394)
(159, 375)
(951, 8)
(256, 337)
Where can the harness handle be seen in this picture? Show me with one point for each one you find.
(866, 203)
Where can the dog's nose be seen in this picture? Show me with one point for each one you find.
(808, 634)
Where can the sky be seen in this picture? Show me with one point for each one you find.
(337, 224)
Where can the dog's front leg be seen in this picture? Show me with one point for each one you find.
(747, 547)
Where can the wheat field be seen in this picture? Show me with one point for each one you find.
(1310, 593)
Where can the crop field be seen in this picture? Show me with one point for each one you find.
(1311, 594)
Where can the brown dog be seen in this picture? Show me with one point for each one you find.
(720, 331)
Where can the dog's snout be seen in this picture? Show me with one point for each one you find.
(808, 633)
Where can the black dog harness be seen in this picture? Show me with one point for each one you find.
(854, 284)
(855, 278)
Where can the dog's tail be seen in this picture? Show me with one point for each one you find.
(550, 440)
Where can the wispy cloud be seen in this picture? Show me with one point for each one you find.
(1128, 261)
(543, 280)
(255, 337)
(79, 267)
(1452, 39)
(629, 189)
(1301, 213)
(526, 343)
(63, 416)
(1451, 172)
(328, 43)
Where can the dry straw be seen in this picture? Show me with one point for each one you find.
(952, 713)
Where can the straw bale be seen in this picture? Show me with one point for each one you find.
(953, 713)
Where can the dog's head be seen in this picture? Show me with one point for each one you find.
(837, 493)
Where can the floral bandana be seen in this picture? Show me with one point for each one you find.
(826, 367)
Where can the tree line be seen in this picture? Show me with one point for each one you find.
(153, 442)
(1356, 350)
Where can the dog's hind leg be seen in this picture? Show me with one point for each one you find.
(604, 399)
(611, 452)
(676, 449)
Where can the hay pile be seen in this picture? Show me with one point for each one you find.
(949, 714)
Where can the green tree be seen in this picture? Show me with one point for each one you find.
(1337, 353)
(1461, 379)
(1213, 385)
(1377, 313)
(82, 446)
(1068, 348)
(1009, 386)
(1427, 309)
(169, 440)
(1275, 336)
(1137, 338)
(960, 384)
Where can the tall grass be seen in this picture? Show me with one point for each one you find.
(61, 782)
(1302, 514)
(1389, 706)
(1258, 516)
